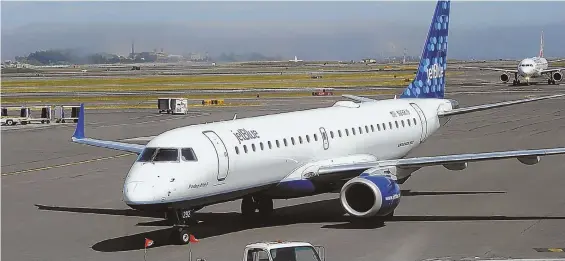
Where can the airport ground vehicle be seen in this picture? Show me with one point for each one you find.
(283, 251)
(173, 105)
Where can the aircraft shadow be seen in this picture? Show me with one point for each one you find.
(217, 224)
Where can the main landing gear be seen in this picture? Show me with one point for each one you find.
(551, 81)
(515, 81)
(181, 220)
(249, 204)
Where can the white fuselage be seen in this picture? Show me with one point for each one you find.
(532, 67)
(236, 155)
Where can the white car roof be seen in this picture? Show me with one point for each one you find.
(277, 244)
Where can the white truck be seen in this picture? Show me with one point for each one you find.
(283, 251)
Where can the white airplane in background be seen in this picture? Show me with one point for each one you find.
(295, 59)
(529, 68)
(356, 148)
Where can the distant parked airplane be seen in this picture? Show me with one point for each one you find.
(528, 68)
(295, 60)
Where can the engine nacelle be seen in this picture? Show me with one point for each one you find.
(368, 196)
(504, 77)
(557, 76)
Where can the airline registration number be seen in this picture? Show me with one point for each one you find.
(400, 113)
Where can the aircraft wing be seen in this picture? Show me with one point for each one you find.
(492, 69)
(80, 138)
(449, 161)
(493, 105)
(553, 70)
(358, 98)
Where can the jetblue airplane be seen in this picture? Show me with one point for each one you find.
(529, 68)
(356, 147)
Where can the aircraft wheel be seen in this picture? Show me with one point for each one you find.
(248, 206)
(183, 237)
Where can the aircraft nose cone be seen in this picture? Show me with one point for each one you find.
(137, 193)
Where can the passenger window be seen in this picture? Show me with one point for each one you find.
(367, 128)
(378, 127)
(384, 126)
(300, 139)
(346, 132)
(278, 144)
(269, 143)
(332, 134)
(408, 121)
(308, 138)
(285, 144)
(167, 155)
(415, 123)
(315, 137)
(188, 154)
(402, 121)
(390, 125)
(261, 145)
(245, 148)
(396, 123)
(146, 155)
(353, 131)
(253, 146)
(339, 133)
(236, 150)
(292, 140)
(360, 130)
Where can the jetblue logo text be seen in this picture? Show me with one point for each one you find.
(435, 71)
(243, 134)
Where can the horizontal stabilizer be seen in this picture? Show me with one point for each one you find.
(79, 137)
(493, 105)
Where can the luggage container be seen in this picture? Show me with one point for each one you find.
(61, 116)
(173, 105)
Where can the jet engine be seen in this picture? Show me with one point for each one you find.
(369, 196)
(504, 77)
(557, 76)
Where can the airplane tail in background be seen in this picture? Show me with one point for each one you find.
(541, 46)
(430, 78)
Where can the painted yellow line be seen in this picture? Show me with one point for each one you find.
(66, 164)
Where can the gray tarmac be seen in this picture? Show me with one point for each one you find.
(63, 201)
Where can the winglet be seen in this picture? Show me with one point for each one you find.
(79, 131)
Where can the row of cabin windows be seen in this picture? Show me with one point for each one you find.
(379, 127)
(277, 143)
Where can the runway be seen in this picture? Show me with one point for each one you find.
(63, 201)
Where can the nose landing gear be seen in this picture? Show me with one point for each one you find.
(181, 220)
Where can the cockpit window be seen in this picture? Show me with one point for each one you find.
(146, 155)
(187, 154)
(166, 155)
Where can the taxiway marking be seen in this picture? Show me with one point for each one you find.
(66, 164)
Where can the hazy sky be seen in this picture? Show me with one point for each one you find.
(290, 16)
(18, 13)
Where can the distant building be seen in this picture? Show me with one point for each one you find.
(369, 60)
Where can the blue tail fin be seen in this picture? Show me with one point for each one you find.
(79, 131)
(430, 78)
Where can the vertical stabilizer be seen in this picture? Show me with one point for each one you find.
(430, 78)
(541, 46)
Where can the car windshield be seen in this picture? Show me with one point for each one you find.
(301, 253)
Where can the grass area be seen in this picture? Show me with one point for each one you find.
(279, 85)
(195, 79)
(153, 98)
